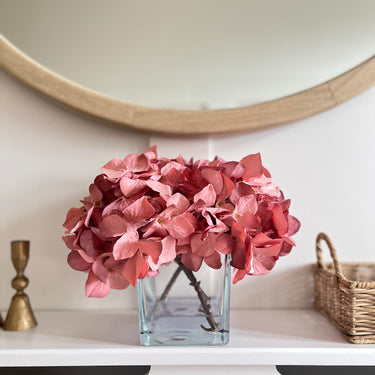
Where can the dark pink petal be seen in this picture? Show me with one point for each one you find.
(213, 177)
(116, 280)
(250, 223)
(99, 269)
(137, 162)
(95, 193)
(241, 189)
(86, 257)
(126, 246)
(76, 262)
(262, 265)
(133, 267)
(203, 248)
(113, 226)
(180, 226)
(213, 261)
(151, 248)
(285, 249)
(191, 261)
(234, 169)
(228, 186)
(69, 241)
(140, 210)
(130, 186)
(115, 169)
(238, 275)
(241, 252)
(253, 166)
(207, 195)
(95, 287)
(73, 218)
(224, 244)
(87, 242)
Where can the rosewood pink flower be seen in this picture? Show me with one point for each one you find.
(144, 211)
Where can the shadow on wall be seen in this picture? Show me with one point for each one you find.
(326, 370)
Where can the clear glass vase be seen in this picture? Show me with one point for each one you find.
(181, 307)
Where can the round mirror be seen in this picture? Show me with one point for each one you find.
(193, 55)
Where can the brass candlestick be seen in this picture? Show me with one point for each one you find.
(20, 314)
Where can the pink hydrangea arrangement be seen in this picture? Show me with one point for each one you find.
(144, 211)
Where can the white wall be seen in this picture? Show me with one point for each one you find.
(49, 156)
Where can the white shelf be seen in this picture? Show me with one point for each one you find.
(258, 337)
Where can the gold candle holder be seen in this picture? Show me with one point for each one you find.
(20, 315)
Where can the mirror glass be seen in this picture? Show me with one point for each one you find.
(193, 54)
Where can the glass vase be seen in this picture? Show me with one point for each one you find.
(181, 307)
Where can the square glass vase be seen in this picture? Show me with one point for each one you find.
(182, 307)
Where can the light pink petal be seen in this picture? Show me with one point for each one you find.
(95, 287)
(180, 226)
(247, 205)
(152, 152)
(228, 186)
(139, 211)
(126, 246)
(161, 188)
(250, 223)
(207, 195)
(115, 169)
(213, 261)
(262, 265)
(172, 166)
(168, 253)
(293, 225)
(76, 262)
(191, 261)
(179, 201)
(150, 247)
(234, 169)
(73, 219)
(116, 280)
(253, 166)
(137, 162)
(130, 186)
(134, 267)
(99, 270)
(95, 193)
(113, 226)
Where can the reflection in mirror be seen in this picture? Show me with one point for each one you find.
(193, 54)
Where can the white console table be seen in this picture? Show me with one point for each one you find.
(260, 340)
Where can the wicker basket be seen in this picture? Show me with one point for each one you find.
(345, 293)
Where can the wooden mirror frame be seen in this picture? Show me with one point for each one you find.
(187, 122)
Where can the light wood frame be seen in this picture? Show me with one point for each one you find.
(187, 122)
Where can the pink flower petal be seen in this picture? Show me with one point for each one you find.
(95, 193)
(130, 186)
(293, 225)
(69, 241)
(253, 166)
(241, 189)
(73, 219)
(247, 205)
(150, 247)
(139, 211)
(180, 226)
(262, 265)
(213, 261)
(168, 253)
(95, 287)
(213, 177)
(137, 162)
(224, 244)
(115, 169)
(207, 195)
(113, 226)
(179, 201)
(159, 187)
(191, 261)
(117, 281)
(126, 246)
(77, 263)
(88, 241)
(203, 248)
(279, 219)
(133, 267)
(99, 270)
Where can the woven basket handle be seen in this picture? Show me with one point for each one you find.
(319, 251)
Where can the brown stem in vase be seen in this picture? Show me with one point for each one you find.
(170, 284)
(214, 326)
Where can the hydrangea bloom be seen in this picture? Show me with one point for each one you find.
(143, 211)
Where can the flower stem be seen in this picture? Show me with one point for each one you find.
(214, 326)
(170, 284)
